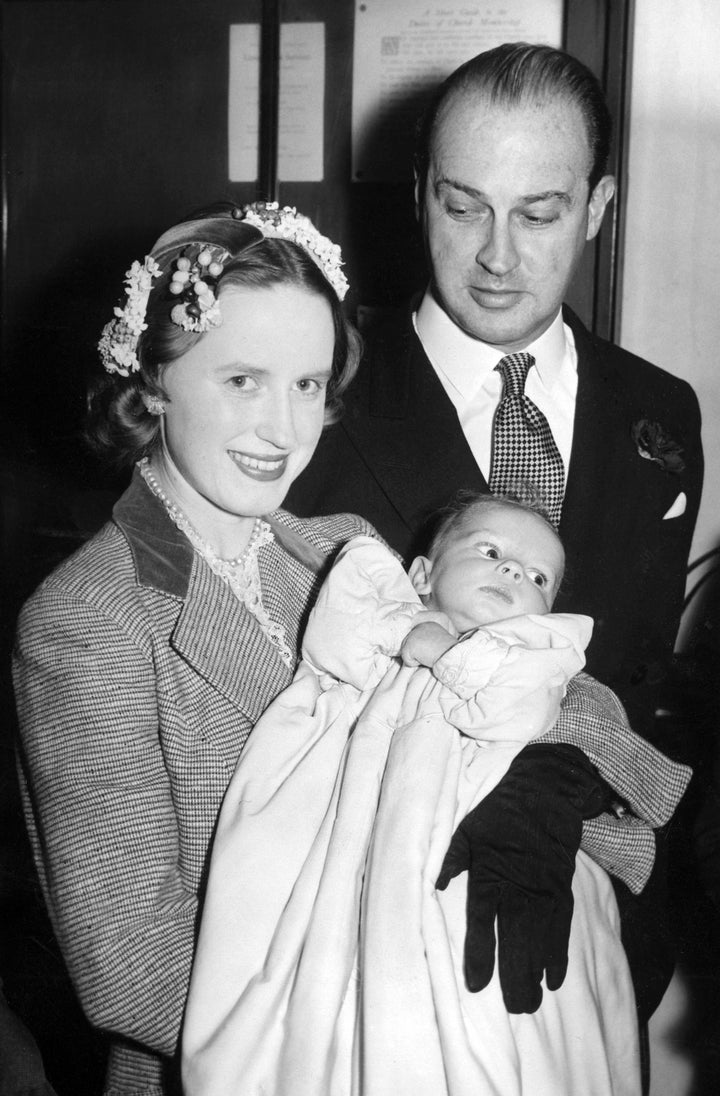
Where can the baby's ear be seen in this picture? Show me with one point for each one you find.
(419, 575)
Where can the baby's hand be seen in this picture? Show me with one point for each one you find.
(432, 634)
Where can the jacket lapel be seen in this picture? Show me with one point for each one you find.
(602, 495)
(404, 438)
(227, 646)
(224, 646)
(598, 440)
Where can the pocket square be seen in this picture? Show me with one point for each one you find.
(677, 508)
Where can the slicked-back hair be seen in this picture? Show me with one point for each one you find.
(516, 73)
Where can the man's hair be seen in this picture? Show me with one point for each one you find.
(517, 73)
(450, 520)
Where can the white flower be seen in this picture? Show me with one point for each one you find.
(288, 224)
(118, 343)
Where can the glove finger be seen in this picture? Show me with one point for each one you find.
(482, 904)
(457, 860)
(558, 941)
(521, 933)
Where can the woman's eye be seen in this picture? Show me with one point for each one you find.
(310, 386)
(243, 382)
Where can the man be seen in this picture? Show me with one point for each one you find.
(510, 184)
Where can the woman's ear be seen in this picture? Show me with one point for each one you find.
(419, 575)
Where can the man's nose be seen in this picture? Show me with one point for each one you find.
(497, 252)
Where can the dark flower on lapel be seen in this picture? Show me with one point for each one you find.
(654, 444)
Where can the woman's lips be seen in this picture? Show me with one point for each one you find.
(259, 468)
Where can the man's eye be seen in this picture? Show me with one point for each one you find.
(537, 220)
(461, 210)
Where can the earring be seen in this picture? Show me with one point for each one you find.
(153, 404)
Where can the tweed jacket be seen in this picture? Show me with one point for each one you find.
(399, 454)
(139, 676)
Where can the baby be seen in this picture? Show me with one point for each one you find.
(490, 559)
(328, 963)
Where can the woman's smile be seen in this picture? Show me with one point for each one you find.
(259, 468)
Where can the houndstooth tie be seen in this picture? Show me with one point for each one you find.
(525, 459)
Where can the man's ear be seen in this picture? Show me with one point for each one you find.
(419, 575)
(597, 205)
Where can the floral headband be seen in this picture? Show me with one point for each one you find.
(194, 281)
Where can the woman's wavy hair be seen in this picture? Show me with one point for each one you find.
(119, 427)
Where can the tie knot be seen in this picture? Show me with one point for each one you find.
(513, 369)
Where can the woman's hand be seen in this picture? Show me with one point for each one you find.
(432, 634)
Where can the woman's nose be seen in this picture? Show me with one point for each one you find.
(511, 569)
(277, 424)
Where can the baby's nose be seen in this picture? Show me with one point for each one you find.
(512, 569)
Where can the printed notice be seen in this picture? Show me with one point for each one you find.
(405, 48)
(301, 105)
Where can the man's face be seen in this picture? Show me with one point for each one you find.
(506, 214)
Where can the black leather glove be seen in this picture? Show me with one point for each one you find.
(518, 847)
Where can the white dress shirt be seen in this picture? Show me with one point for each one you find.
(466, 369)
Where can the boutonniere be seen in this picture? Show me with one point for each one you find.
(653, 443)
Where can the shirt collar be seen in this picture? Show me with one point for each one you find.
(466, 362)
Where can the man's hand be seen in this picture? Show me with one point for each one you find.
(518, 847)
(431, 635)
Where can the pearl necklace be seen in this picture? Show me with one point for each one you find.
(241, 574)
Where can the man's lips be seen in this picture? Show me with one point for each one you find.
(259, 468)
(495, 298)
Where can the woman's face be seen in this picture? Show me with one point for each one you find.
(245, 406)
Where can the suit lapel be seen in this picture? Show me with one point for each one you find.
(601, 502)
(411, 439)
(227, 647)
(223, 645)
(598, 441)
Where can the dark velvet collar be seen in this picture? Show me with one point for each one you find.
(163, 556)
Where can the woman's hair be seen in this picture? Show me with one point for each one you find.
(449, 521)
(120, 427)
(516, 73)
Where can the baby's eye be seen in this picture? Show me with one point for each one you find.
(538, 578)
(489, 550)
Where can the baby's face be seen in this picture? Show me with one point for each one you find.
(500, 562)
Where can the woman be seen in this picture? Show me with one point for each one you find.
(143, 662)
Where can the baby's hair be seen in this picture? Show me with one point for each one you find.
(448, 520)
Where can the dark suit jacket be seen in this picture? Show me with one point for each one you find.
(399, 454)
